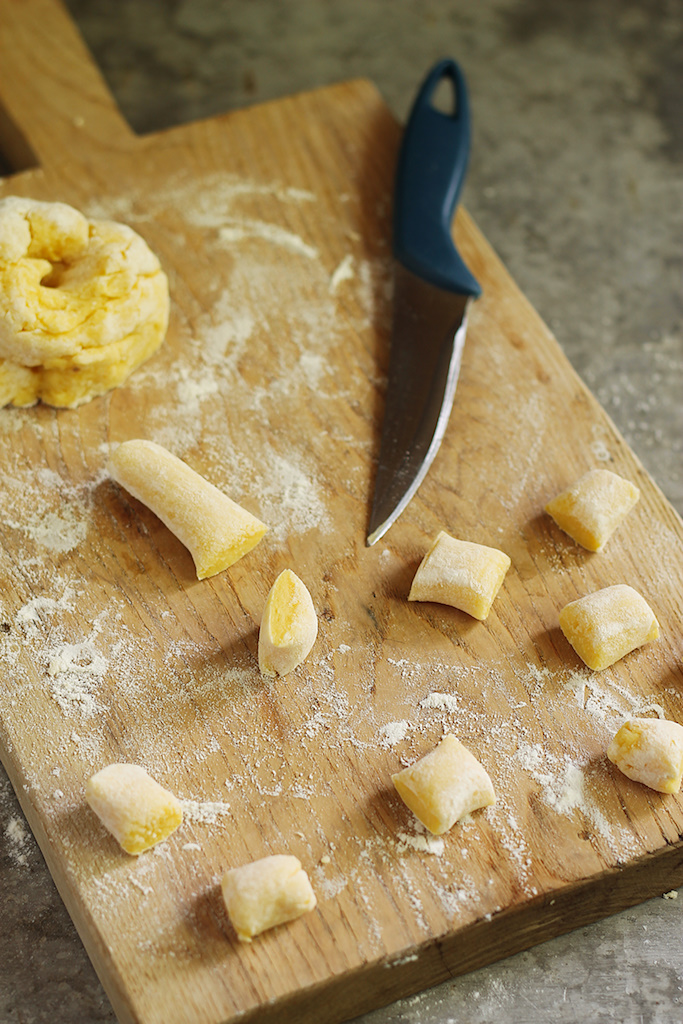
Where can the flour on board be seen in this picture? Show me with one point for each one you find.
(206, 812)
(393, 732)
(19, 841)
(35, 610)
(193, 389)
(53, 513)
(563, 785)
(441, 701)
(74, 671)
(203, 203)
(234, 231)
(290, 498)
(344, 272)
(425, 843)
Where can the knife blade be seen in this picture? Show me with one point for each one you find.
(432, 291)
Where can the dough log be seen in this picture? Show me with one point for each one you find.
(82, 303)
(211, 525)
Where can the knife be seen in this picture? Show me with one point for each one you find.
(432, 292)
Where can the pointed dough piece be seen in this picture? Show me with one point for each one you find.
(289, 626)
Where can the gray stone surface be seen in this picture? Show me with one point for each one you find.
(576, 180)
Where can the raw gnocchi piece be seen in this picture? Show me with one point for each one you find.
(266, 893)
(289, 626)
(606, 625)
(136, 810)
(211, 525)
(592, 508)
(650, 750)
(457, 572)
(444, 785)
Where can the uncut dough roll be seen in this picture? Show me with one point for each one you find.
(82, 303)
(211, 525)
(266, 893)
(131, 805)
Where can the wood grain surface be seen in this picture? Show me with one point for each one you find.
(273, 226)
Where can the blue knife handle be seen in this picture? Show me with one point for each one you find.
(429, 176)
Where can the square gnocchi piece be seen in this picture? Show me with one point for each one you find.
(459, 573)
(266, 893)
(650, 750)
(444, 785)
(592, 508)
(606, 625)
(136, 810)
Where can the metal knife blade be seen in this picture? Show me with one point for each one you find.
(432, 290)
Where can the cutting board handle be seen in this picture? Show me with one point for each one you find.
(54, 100)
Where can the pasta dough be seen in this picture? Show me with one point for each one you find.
(444, 785)
(650, 750)
(456, 572)
(289, 626)
(592, 508)
(211, 525)
(604, 626)
(136, 810)
(82, 303)
(266, 893)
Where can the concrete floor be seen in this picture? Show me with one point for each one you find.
(576, 180)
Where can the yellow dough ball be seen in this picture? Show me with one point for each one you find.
(82, 303)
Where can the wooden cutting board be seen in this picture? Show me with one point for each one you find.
(273, 225)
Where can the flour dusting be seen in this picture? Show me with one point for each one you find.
(563, 785)
(344, 272)
(56, 515)
(393, 732)
(441, 701)
(75, 670)
(239, 230)
(206, 812)
(433, 845)
(290, 499)
(38, 608)
(19, 841)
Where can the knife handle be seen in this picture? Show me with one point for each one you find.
(431, 169)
